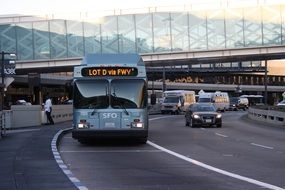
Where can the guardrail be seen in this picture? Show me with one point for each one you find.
(270, 115)
(33, 115)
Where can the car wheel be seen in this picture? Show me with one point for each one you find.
(219, 125)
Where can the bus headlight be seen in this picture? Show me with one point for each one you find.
(137, 125)
(82, 125)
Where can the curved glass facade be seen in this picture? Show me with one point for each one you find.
(146, 33)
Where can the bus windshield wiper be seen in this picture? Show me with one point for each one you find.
(120, 103)
(95, 109)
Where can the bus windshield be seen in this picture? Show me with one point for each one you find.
(128, 94)
(91, 94)
(122, 94)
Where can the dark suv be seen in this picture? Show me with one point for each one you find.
(237, 103)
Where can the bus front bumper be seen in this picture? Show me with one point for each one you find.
(89, 134)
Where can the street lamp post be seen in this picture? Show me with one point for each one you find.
(3, 74)
(2, 83)
(10, 71)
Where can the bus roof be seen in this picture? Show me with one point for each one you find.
(120, 59)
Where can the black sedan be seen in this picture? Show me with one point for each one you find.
(203, 114)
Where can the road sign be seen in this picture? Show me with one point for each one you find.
(9, 67)
(7, 81)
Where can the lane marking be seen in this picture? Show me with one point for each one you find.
(21, 130)
(76, 182)
(262, 146)
(223, 172)
(221, 135)
(220, 171)
(152, 119)
(110, 151)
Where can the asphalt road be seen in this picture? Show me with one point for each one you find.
(240, 155)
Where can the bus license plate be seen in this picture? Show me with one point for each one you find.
(110, 125)
(208, 120)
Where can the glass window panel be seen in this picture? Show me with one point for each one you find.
(58, 39)
(144, 38)
(110, 35)
(234, 28)
(126, 34)
(216, 29)
(161, 32)
(246, 64)
(24, 41)
(282, 7)
(41, 40)
(92, 38)
(252, 26)
(271, 25)
(8, 38)
(179, 31)
(197, 28)
(74, 38)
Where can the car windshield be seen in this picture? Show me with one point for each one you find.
(234, 100)
(203, 108)
(204, 100)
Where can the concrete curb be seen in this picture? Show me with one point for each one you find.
(54, 146)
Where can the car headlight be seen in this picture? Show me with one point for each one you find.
(219, 116)
(196, 116)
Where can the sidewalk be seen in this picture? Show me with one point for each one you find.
(27, 162)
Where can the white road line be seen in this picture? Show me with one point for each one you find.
(223, 172)
(152, 119)
(260, 145)
(110, 151)
(21, 130)
(221, 135)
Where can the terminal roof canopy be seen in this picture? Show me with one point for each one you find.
(112, 59)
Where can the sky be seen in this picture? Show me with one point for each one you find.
(48, 6)
(35, 7)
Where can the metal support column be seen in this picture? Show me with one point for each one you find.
(265, 84)
(163, 80)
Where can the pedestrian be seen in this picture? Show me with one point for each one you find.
(48, 110)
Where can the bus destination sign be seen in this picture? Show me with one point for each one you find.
(109, 71)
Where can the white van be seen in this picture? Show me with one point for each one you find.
(219, 99)
(177, 101)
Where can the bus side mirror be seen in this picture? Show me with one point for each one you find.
(153, 99)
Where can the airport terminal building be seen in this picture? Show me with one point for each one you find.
(152, 31)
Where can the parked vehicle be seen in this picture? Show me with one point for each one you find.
(254, 99)
(202, 114)
(281, 104)
(237, 103)
(23, 102)
(177, 101)
(219, 99)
